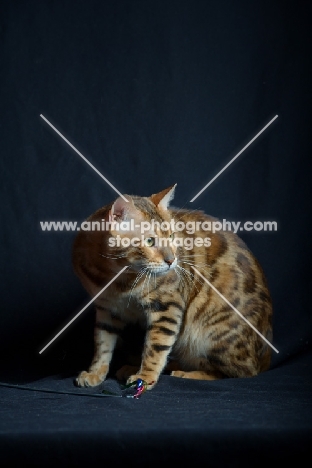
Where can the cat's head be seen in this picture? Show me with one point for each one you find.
(141, 232)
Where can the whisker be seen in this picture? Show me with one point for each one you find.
(143, 286)
(186, 279)
(192, 256)
(135, 282)
(139, 276)
(201, 266)
(181, 280)
(191, 277)
(148, 289)
(194, 263)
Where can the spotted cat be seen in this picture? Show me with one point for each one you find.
(189, 328)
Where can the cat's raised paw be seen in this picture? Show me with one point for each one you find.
(89, 379)
(150, 380)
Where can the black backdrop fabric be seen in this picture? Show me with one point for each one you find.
(152, 93)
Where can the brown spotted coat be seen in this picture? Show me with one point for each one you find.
(189, 327)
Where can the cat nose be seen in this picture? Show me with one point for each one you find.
(168, 256)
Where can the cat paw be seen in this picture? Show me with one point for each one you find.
(178, 373)
(151, 380)
(196, 375)
(89, 379)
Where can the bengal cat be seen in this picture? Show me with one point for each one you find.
(188, 324)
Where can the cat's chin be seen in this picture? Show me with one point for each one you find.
(162, 271)
(156, 271)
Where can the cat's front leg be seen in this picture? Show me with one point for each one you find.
(160, 337)
(107, 329)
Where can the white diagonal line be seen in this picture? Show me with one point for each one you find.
(233, 159)
(82, 156)
(84, 308)
(235, 310)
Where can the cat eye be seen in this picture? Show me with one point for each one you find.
(172, 236)
(150, 241)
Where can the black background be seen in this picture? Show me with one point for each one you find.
(152, 93)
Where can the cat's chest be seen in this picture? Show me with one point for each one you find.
(125, 307)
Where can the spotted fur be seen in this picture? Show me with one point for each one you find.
(189, 327)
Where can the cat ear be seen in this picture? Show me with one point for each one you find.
(123, 211)
(120, 209)
(162, 199)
